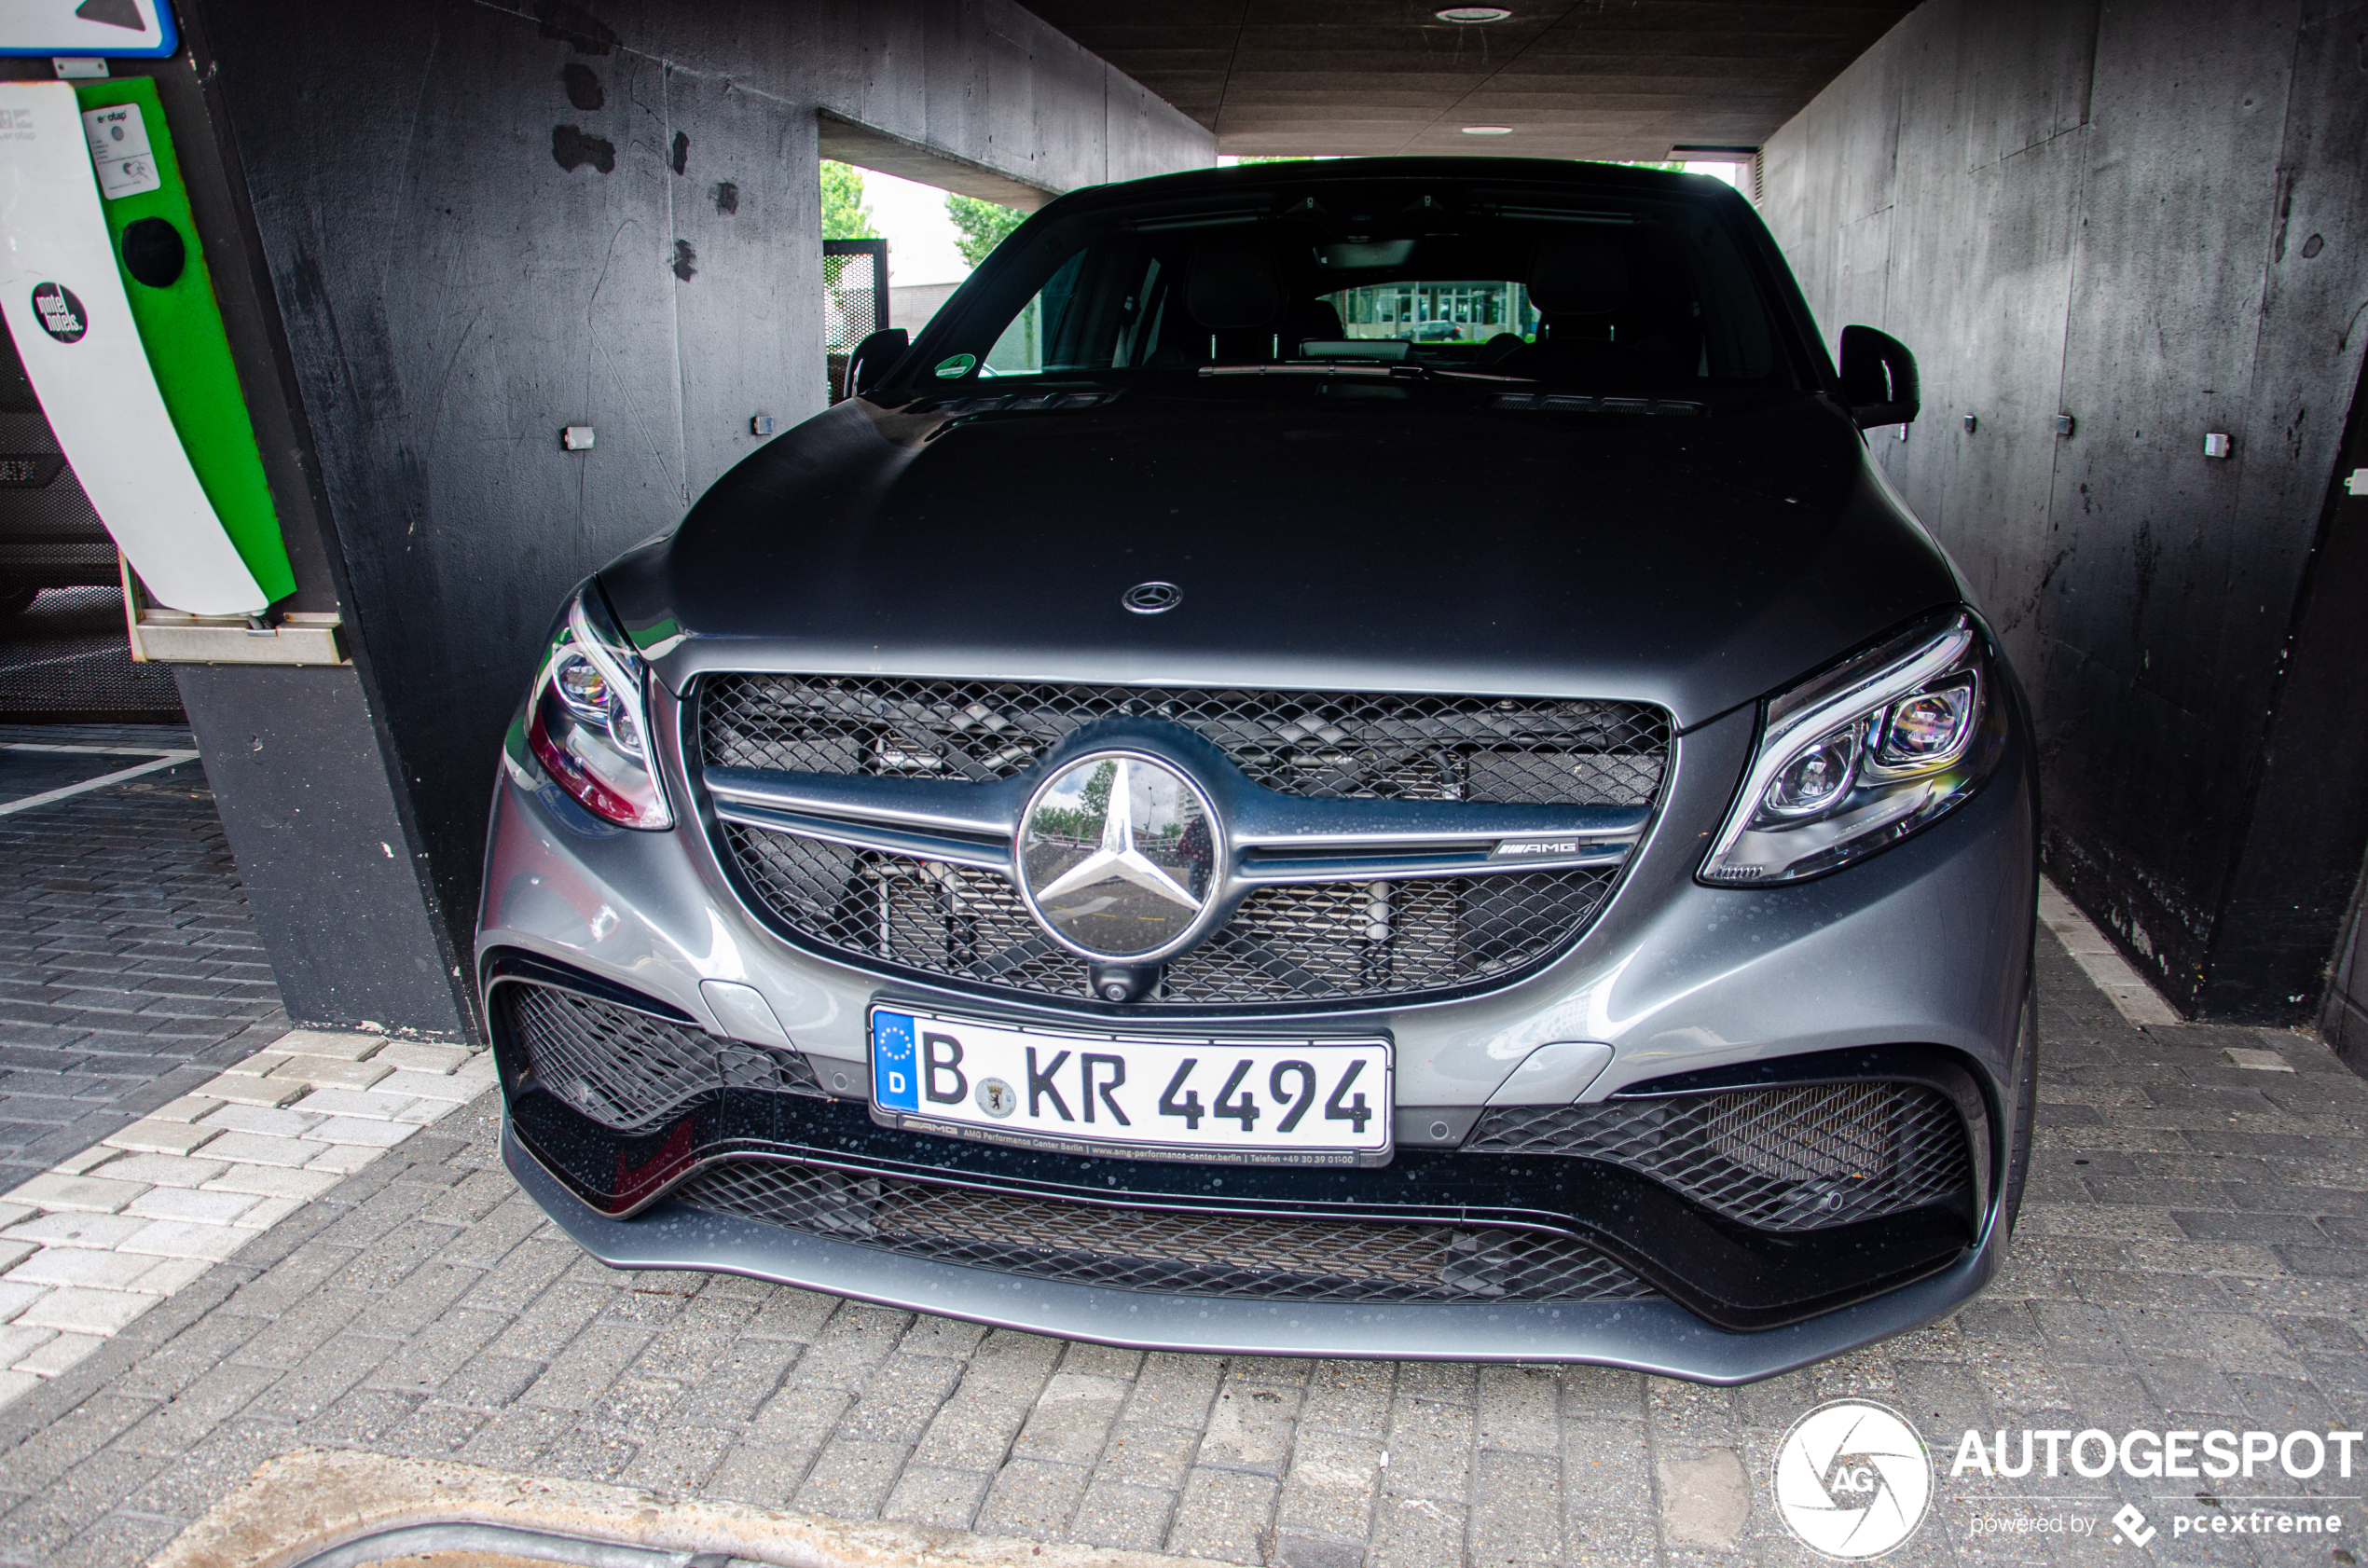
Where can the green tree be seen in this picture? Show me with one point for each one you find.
(982, 224)
(1097, 789)
(843, 215)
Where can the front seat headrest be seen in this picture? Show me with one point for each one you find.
(1578, 275)
(1232, 286)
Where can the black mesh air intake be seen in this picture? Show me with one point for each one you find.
(1326, 745)
(627, 1070)
(1778, 1158)
(1170, 1253)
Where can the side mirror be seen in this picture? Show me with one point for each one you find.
(1878, 377)
(869, 364)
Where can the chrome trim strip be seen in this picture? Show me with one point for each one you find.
(887, 841)
(953, 805)
(1383, 864)
(1278, 822)
(1370, 838)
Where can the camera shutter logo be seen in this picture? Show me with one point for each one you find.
(1852, 1478)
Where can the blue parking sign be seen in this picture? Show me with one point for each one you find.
(894, 1081)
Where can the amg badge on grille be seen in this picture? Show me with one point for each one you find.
(1117, 855)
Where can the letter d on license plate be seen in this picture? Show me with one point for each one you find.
(1242, 1100)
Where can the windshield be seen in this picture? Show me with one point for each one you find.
(1608, 292)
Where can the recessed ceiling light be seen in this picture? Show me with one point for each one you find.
(1488, 130)
(1473, 13)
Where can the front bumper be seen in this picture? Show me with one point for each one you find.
(1925, 948)
(1652, 1336)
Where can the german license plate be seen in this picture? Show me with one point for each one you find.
(1236, 1101)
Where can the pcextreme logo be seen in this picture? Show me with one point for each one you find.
(1853, 1480)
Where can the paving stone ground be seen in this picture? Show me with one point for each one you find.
(129, 968)
(2191, 1255)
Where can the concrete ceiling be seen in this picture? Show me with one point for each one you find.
(1599, 78)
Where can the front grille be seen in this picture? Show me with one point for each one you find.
(627, 1070)
(1322, 745)
(1283, 945)
(1179, 1253)
(1779, 1159)
(1329, 942)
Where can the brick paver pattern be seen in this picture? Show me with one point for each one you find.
(109, 1232)
(2190, 1255)
(130, 968)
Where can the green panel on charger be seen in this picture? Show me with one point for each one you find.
(189, 350)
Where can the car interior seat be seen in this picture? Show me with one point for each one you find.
(1312, 321)
(1231, 290)
(1662, 322)
(1578, 282)
(1499, 348)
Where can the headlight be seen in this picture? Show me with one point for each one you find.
(586, 721)
(1864, 755)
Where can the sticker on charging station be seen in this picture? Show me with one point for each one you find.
(119, 149)
(60, 313)
(895, 1080)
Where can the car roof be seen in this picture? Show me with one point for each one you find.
(1242, 177)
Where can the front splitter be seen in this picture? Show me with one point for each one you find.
(1656, 1335)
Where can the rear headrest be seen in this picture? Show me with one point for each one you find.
(1232, 286)
(1315, 318)
(1578, 275)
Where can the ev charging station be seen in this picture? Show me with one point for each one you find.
(105, 291)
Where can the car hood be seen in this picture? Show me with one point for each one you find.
(1323, 535)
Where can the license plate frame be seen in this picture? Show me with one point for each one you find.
(995, 1051)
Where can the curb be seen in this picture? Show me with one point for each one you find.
(306, 1503)
(2131, 992)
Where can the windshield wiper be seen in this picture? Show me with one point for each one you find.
(1400, 370)
(1377, 370)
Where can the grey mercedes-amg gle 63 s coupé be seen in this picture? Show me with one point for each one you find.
(1199, 808)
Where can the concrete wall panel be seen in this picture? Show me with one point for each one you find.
(2098, 209)
(2023, 77)
(485, 221)
(2188, 109)
(748, 316)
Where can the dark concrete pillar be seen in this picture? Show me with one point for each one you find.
(442, 231)
(333, 875)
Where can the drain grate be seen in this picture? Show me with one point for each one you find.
(473, 1545)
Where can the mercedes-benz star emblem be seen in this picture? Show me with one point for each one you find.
(1150, 599)
(1116, 857)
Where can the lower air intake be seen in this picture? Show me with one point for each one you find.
(1779, 1159)
(624, 1069)
(1177, 1254)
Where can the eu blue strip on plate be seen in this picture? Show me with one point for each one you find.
(893, 1081)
